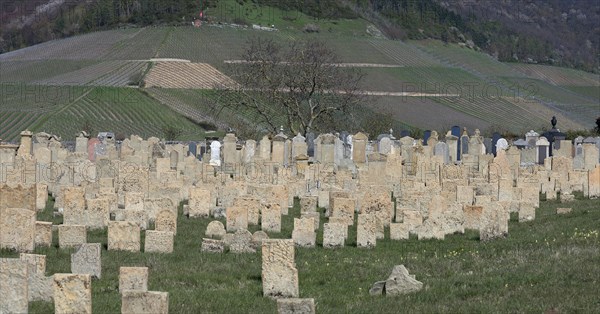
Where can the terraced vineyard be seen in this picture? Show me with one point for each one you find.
(488, 93)
(186, 75)
(478, 63)
(556, 75)
(63, 110)
(92, 46)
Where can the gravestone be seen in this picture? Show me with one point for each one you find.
(487, 142)
(158, 241)
(71, 235)
(72, 293)
(124, 236)
(455, 131)
(250, 151)
(215, 154)
(166, 220)
(279, 273)
(43, 233)
(385, 146)
(334, 235)
(271, 217)
(359, 148)
(542, 146)
(304, 232)
(133, 278)
(310, 144)
(215, 229)
(441, 149)
(495, 137)
(366, 231)
(237, 218)
(242, 242)
(14, 277)
(426, 136)
(39, 285)
(17, 229)
(87, 260)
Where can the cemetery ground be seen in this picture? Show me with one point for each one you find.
(551, 263)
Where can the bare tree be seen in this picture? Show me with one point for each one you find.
(301, 85)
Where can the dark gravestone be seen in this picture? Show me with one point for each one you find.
(310, 143)
(455, 130)
(426, 136)
(344, 136)
(464, 144)
(487, 142)
(542, 154)
(495, 137)
(192, 146)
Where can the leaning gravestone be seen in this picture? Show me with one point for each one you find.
(39, 285)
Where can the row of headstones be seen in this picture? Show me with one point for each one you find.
(24, 280)
(122, 235)
(21, 232)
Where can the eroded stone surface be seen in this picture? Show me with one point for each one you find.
(279, 273)
(72, 293)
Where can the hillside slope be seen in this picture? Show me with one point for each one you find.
(489, 94)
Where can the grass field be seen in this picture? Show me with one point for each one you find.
(550, 263)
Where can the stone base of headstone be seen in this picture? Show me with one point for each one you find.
(295, 306)
(134, 302)
(212, 246)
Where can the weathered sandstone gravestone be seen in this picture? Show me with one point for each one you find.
(39, 286)
(314, 215)
(271, 218)
(399, 282)
(124, 236)
(339, 220)
(304, 234)
(135, 302)
(133, 278)
(366, 231)
(252, 205)
(200, 203)
(308, 203)
(17, 229)
(97, 213)
(215, 229)
(334, 235)
(72, 293)
(43, 233)
(71, 235)
(279, 273)
(295, 306)
(258, 237)
(166, 220)
(237, 218)
(242, 242)
(343, 207)
(212, 246)
(159, 241)
(87, 260)
(14, 290)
